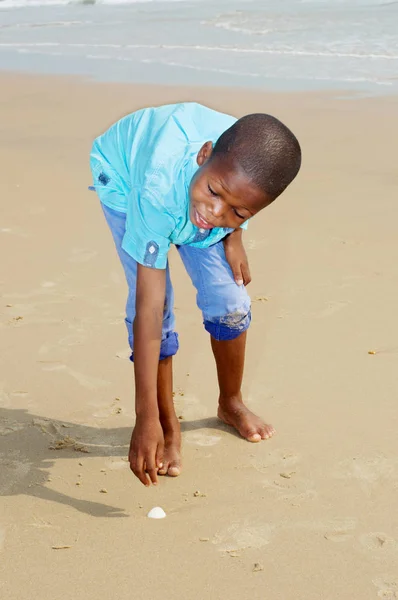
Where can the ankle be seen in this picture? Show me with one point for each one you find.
(170, 424)
(227, 402)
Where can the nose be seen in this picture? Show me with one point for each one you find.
(217, 208)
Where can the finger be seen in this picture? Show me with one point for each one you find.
(137, 466)
(152, 471)
(246, 274)
(159, 456)
(237, 273)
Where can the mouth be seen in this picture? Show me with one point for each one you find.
(200, 221)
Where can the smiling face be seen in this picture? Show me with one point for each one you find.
(221, 194)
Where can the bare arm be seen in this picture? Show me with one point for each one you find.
(236, 257)
(147, 327)
(236, 235)
(146, 446)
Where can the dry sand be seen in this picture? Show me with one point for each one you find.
(316, 507)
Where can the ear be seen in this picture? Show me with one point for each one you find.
(204, 153)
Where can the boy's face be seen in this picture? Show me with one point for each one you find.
(222, 195)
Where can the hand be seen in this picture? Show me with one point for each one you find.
(236, 256)
(146, 449)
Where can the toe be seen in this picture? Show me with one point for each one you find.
(174, 469)
(267, 432)
(253, 437)
(163, 470)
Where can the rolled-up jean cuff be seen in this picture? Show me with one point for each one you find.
(168, 346)
(229, 327)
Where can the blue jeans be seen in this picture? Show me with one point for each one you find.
(225, 306)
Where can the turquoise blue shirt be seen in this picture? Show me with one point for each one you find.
(143, 166)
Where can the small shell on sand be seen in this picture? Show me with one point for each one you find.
(287, 475)
(156, 513)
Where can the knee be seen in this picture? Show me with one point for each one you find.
(229, 326)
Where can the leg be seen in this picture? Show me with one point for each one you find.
(226, 314)
(230, 358)
(168, 419)
(169, 346)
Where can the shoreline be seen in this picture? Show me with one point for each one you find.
(348, 93)
(291, 47)
(313, 97)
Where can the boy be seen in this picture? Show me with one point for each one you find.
(187, 175)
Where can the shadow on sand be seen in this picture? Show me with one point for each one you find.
(26, 455)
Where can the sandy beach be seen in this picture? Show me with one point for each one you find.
(309, 515)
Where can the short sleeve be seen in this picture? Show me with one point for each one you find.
(245, 225)
(148, 230)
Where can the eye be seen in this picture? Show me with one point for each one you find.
(212, 192)
(238, 214)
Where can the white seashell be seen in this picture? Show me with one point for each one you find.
(156, 513)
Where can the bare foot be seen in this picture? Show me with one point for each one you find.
(172, 449)
(233, 412)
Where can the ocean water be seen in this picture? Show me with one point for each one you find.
(273, 44)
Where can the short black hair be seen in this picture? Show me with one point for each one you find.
(265, 148)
